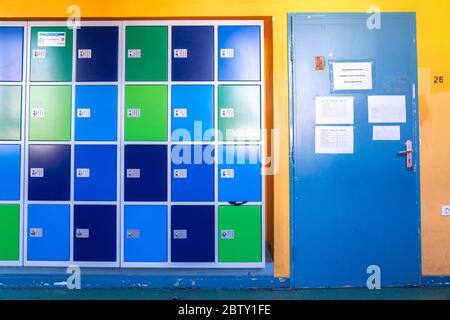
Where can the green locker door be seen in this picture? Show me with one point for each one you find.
(50, 113)
(240, 234)
(10, 113)
(146, 53)
(239, 112)
(51, 54)
(146, 113)
(9, 232)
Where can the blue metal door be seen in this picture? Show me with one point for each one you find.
(354, 154)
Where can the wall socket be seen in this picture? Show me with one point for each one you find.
(446, 211)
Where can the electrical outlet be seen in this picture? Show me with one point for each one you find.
(446, 211)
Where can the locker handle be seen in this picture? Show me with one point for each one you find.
(408, 154)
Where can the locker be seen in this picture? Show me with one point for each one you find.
(145, 173)
(146, 53)
(50, 113)
(95, 233)
(10, 172)
(145, 113)
(240, 234)
(192, 113)
(239, 114)
(11, 53)
(49, 173)
(145, 233)
(48, 233)
(192, 173)
(239, 173)
(97, 53)
(95, 173)
(192, 234)
(193, 53)
(10, 113)
(51, 54)
(96, 113)
(239, 54)
(9, 232)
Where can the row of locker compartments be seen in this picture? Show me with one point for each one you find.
(145, 233)
(145, 114)
(146, 53)
(145, 171)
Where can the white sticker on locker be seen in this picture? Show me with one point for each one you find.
(36, 232)
(227, 173)
(134, 53)
(39, 54)
(134, 113)
(36, 172)
(180, 53)
(133, 234)
(180, 113)
(446, 211)
(227, 113)
(38, 113)
(227, 53)
(82, 233)
(180, 234)
(227, 234)
(133, 173)
(51, 39)
(180, 173)
(83, 173)
(83, 113)
(84, 54)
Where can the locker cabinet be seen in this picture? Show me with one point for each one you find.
(145, 233)
(9, 232)
(239, 234)
(192, 173)
(95, 233)
(95, 173)
(145, 113)
(192, 113)
(239, 54)
(50, 113)
(10, 113)
(51, 54)
(239, 173)
(146, 53)
(49, 172)
(192, 53)
(10, 172)
(11, 53)
(145, 175)
(48, 232)
(97, 53)
(192, 235)
(96, 113)
(239, 114)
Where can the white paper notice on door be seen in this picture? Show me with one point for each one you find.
(387, 109)
(334, 139)
(334, 110)
(386, 133)
(350, 76)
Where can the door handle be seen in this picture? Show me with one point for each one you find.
(408, 153)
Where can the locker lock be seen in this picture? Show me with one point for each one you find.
(408, 153)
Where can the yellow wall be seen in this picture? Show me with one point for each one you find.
(434, 55)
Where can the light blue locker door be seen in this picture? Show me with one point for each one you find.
(355, 202)
(10, 172)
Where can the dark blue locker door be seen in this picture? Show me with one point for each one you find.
(11, 53)
(49, 173)
(354, 209)
(97, 53)
(192, 234)
(192, 53)
(145, 173)
(95, 233)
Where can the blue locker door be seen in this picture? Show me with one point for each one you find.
(355, 208)
(97, 53)
(10, 172)
(11, 53)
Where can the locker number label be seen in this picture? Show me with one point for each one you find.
(82, 233)
(446, 211)
(227, 234)
(134, 113)
(180, 113)
(180, 234)
(180, 53)
(39, 54)
(83, 113)
(37, 172)
(36, 232)
(38, 113)
(133, 173)
(83, 173)
(133, 234)
(134, 53)
(227, 53)
(180, 173)
(227, 113)
(84, 54)
(227, 173)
